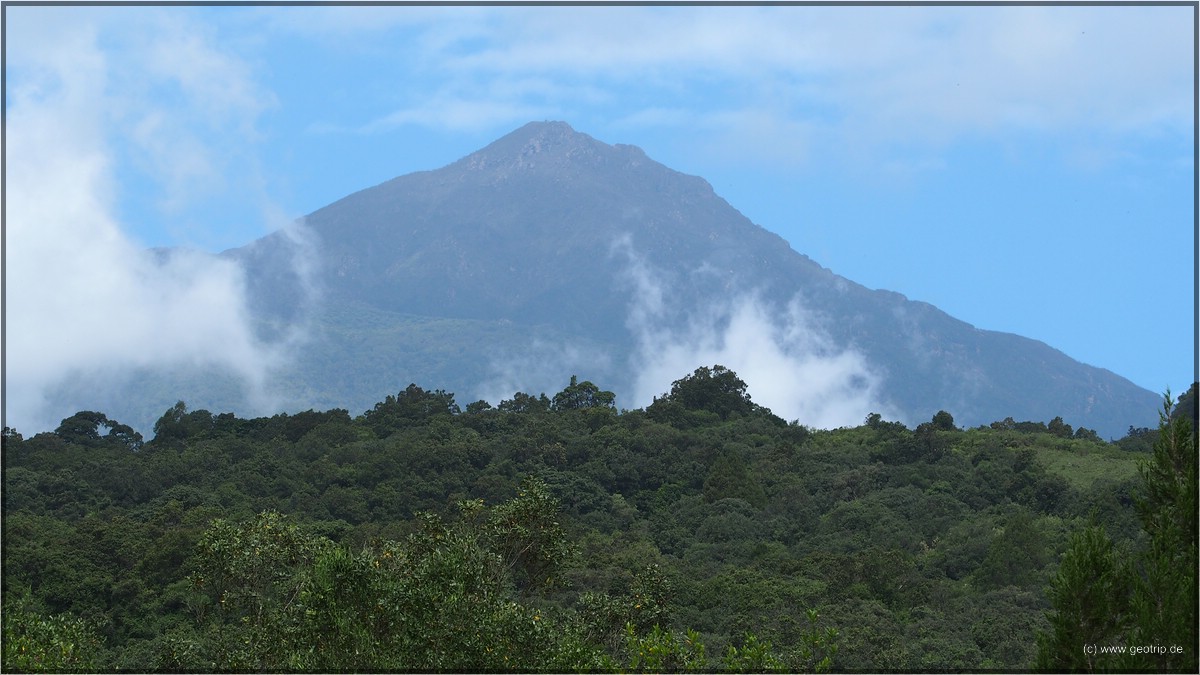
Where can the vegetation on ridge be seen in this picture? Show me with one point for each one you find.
(557, 533)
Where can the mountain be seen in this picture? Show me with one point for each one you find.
(549, 253)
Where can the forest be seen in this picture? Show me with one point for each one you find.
(561, 534)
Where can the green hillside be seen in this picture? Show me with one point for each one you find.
(551, 533)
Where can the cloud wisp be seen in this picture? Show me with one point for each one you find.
(85, 301)
(543, 368)
(870, 81)
(787, 360)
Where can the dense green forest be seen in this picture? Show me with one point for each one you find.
(701, 533)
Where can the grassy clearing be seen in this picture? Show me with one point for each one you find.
(1083, 463)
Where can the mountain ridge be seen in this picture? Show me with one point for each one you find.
(550, 239)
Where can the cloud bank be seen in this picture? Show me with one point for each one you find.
(787, 360)
(84, 301)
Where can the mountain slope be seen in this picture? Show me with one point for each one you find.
(549, 254)
(550, 248)
(525, 224)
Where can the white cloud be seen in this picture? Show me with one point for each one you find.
(189, 111)
(760, 136)
(788, 362)
(81, 295)
(454, 113)
(805, 83)
(480, 105)
(1026, 69)
(339, 26)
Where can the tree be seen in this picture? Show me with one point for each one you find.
(1057, 427)
(662, 651)
(170, 427)
(246, 578)
(177, 425)
(943, 421)
(1167, 503)
(478, 407)
(1015, 555)
(1149, 602)
(1186, 407)
(61, 643)
(582, 395)
(717, 389)
(83, 428)
(272, 598)
(607, 618)
(1164, 600)
(1139, 439)
(1029, 427)
(527, 534)
(525, 403)
(414, 405)
(1090, 597)
(1006, 424)
(930, 440)
(729, 478)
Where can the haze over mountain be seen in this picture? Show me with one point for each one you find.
(549, 253)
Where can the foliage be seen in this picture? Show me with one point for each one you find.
(1164, 597)
(662, 651)
(945, 421)
(1142, 602)
(558, 533)
(59, 643)
(437, 601)
(716, 390)
(1186, 406)
(411, 406)
(1091, 604)
(582, 395)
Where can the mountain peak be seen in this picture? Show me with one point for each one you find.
(547, 131)
(548, 128)
(519, 245)
(548, 145)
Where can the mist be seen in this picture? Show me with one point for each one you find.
(786, 358)
(86, 304)
(544, 368)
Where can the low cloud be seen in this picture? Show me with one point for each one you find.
(787, 360)
(545, 367)
(84, 301)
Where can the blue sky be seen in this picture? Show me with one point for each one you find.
(1026, 169)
